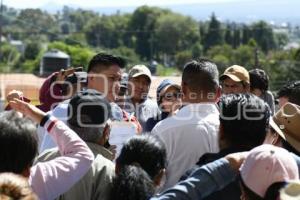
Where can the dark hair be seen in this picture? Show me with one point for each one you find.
(258, 79)
(102, 61)
(148, 151)
(201, 75)
(291, 91)
(14, 186)
(272, 192)
(245, 119)
(249, 193)
(141, 159)
(18, 142)
(132, 183)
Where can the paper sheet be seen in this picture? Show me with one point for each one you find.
(120, 132)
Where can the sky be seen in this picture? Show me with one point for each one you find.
(107, 3)
(278, 11)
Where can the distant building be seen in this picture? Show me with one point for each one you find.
(53, 61)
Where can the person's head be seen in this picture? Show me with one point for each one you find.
(104, 74)
(89, 111)
(18, 143)
(200, 81)
(139, 81)
(14, 186)
(139, 168)
(265, 171)
(289, 93)
(259, 81)
(285, 128)
(244, 121)
(169, 96)
(235, 79)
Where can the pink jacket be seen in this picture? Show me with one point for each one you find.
(52, 178)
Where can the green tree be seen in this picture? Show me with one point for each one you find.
(35, 21)
(236, 37)
(80, 56)
(228, 35)
(246, 34)
(176, 33)
(214, 35)
(143, 25)
(32, 49)
(263, 35)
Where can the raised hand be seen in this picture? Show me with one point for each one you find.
(27, 109)
(14, 94)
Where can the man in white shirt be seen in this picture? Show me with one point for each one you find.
(193, 130)
(104, 75)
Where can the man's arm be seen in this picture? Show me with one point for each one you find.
(205, 180)
(50, 179)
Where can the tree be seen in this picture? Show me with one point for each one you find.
(228, 35)
(246, 34)
(176, 33)
(263, 35)
(214, 36)
(236, 37)
(35, 21)
(143, 25)
(32, 50)
(80, 56)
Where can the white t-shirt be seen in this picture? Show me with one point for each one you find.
(189, 134)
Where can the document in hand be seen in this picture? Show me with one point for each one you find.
(120, 133)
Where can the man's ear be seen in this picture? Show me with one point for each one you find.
(184, 88)
(276, 140)
(218, 93)
(159, 176)
(106, 132)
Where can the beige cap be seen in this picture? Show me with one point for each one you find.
(139, 70)
(291, 191)
(236, 73)
(286, 122)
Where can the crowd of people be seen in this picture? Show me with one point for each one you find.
(212, 137)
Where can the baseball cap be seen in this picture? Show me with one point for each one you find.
(286, 122)
(88, 108)
(164, 85)
(291, 191)
(139, 70)
(265, 165)
(236, 73)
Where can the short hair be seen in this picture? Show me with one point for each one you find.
(291, 91)
(132, 183)
(259, 79)
(14, 186)
(102, 61)
(147, 151)
(141, 159)
(201, 75)
(18, 142)
(245, 119)
(88, 113)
